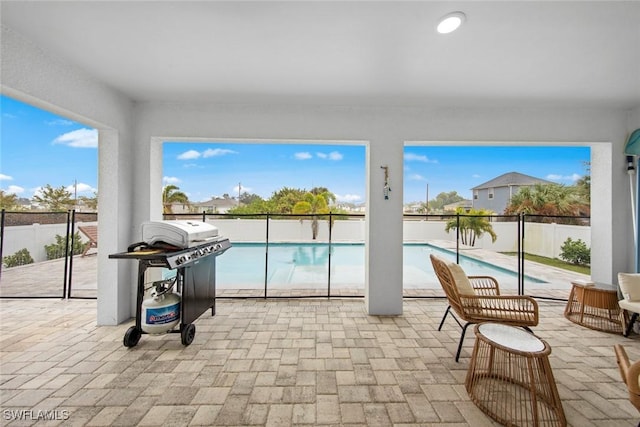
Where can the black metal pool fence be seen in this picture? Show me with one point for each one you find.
(68, 242)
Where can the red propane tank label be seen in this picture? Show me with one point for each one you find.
(162, 315)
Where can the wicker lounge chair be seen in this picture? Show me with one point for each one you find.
(630, 373)
(477, 299)
(91, 231)
(630, 302)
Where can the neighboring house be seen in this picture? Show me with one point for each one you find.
(413, 208)
(465, 204)
(495, 195)
(180, 208)
(215, 205)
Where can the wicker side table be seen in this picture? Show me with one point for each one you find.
(594, 306)
(510, 378)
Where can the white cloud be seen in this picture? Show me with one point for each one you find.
(170, 180)
(242, 188)
(210, 152)
(79, 138)
(412, 157)
(189, 155)
(80, 188)
(416, 177)
(334, 155)
(4, 177)
(59, 122)
(14, 189)
(215, 152)
(303, 156)
(349, 198)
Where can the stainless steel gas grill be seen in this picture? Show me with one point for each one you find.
(190, 248)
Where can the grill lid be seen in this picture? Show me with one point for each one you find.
(178, 233)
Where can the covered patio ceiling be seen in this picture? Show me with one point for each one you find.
(346, 53)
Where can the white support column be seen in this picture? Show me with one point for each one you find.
(383, 257)
(114, 276)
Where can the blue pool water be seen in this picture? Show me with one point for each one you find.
(300, 265)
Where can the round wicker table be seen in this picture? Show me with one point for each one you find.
(594, 306)
(510, 378)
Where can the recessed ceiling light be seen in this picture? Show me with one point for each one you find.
(450, 22)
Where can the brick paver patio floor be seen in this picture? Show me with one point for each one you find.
(278, 363)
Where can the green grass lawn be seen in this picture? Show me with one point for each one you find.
(554, 262)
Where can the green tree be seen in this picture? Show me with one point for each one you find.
(247, 199)
(90, 202)
(256, 207)
(55, 199)
(473, 224)
(324, 192)
(283, 200)
(171, 195)
(8, 201)
(314, 204)
(444, 199)
(549, 200)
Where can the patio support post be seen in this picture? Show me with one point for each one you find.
(383, 248)
(116, 279)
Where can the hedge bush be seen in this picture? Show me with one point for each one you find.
(22, 257)
(56, 250)
(576, 252)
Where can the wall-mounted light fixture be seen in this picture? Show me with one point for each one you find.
(450, 22)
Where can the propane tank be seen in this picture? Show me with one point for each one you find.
(161, 311)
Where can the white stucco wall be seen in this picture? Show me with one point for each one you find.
(130, 159)
(33, 76)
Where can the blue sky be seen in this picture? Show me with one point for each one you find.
(39, 148)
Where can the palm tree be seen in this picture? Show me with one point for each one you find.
(314, 204)
(473, 224)
(550, 200)
(170, 195)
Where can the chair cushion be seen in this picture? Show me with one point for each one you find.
(630, 286)
(633, 307)
(462, 281)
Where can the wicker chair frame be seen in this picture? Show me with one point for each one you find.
(630, 373)
(487, 305)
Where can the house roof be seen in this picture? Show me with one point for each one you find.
(466, 203)
(511, 179)
(217, 202)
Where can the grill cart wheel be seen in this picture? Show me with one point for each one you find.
(132, 336)
(188, 333)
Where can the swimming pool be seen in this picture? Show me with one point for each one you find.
(305, 266)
